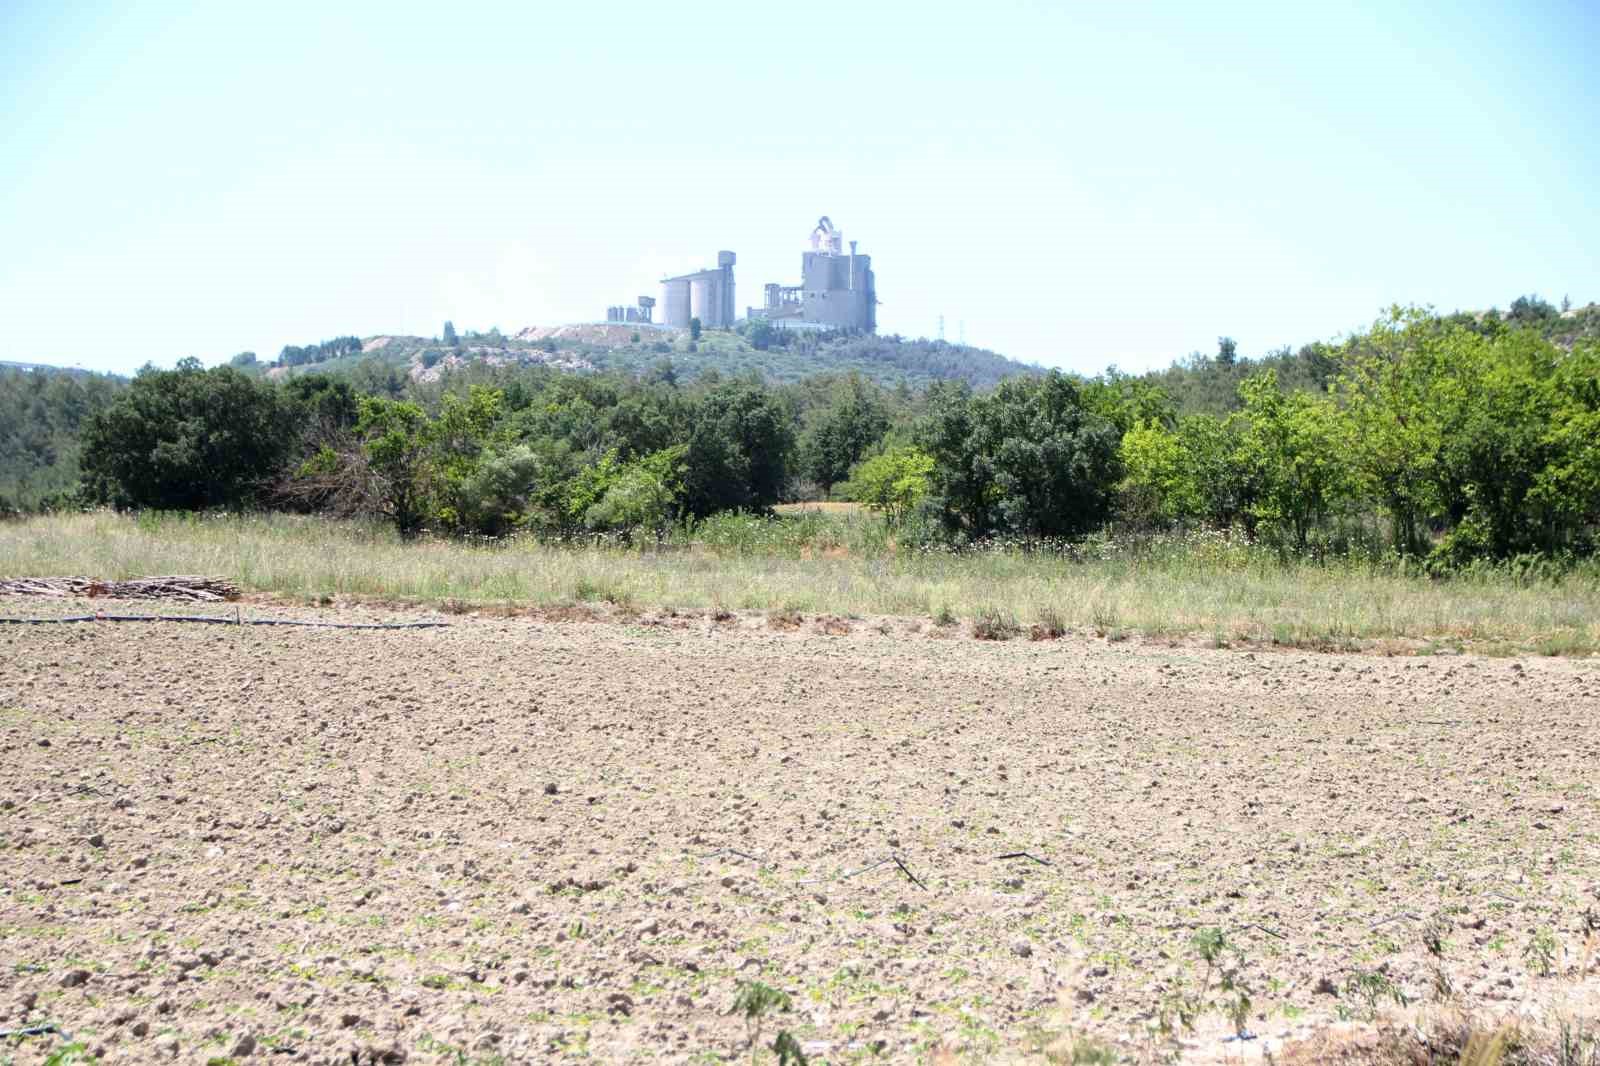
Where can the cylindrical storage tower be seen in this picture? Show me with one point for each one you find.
(701, 303)
(675, 300)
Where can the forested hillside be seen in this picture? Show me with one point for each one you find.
(42, 413)
(774, 355)
(780, 356)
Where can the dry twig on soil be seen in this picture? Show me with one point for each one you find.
(193, 588)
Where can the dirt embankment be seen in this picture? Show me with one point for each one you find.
(542, 840)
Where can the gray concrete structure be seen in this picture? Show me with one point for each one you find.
(643, 311)
(705, 294)
(836, 290)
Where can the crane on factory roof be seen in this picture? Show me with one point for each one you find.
(826, 234)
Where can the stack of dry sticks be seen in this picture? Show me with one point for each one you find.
(192, 588)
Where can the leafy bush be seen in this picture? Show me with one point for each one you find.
(187, 439)
(1028, 459)
(643, 495)
(893, 483)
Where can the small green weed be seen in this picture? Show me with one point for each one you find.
(1372, 987)
(787, 1048)
(1542, 952)
(68, 1055)
(755, 1001)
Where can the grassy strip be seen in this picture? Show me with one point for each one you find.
(1202, 587)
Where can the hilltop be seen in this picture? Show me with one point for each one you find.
(774, 356)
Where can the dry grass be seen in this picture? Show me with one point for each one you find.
(1332, 607)
(833, 507)
(1452, 1039)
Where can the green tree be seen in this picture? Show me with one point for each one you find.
(739, 445)
(1125, 401)
(694, 329)
(662, 372)
(1398, 391)
(322, 403)
(396, 441)
(1158, 483)
(187, 438)
(1530, 310)
(457, 440)
(1567, 487)
(1511, 466)
(892, 483)
(761, 334)
(1029, 458)
(840, 434)
(449, 336)
(1218, 480)
(497, 492)
(1294, 450)
(643, 495)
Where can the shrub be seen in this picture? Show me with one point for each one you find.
(1050, 625)
(187, 439)
(1029, 458)
(991, 623)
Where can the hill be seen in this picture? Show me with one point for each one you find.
(42, 410)
(776, 357)
(42, 368)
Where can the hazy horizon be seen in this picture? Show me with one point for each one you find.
(1074, 187)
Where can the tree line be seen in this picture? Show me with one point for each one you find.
(1442, 439)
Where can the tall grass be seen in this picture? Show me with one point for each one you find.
(1198, 584)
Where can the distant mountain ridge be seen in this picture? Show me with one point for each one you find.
(47, 368)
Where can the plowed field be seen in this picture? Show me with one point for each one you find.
(531, 840)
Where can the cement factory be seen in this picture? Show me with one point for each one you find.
(837, 291)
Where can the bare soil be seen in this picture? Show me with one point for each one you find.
(535, 840)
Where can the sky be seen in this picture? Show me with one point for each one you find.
(1077, 185)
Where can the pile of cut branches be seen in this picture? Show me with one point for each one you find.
(177, 587)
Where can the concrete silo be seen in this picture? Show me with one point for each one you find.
(675, 302)
(705, 294)
(701, 302)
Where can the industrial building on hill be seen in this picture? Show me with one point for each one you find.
(836, 290)
(705, 294)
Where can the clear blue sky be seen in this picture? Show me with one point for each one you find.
(1079, 184)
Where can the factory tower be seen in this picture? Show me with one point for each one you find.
(836, 290)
